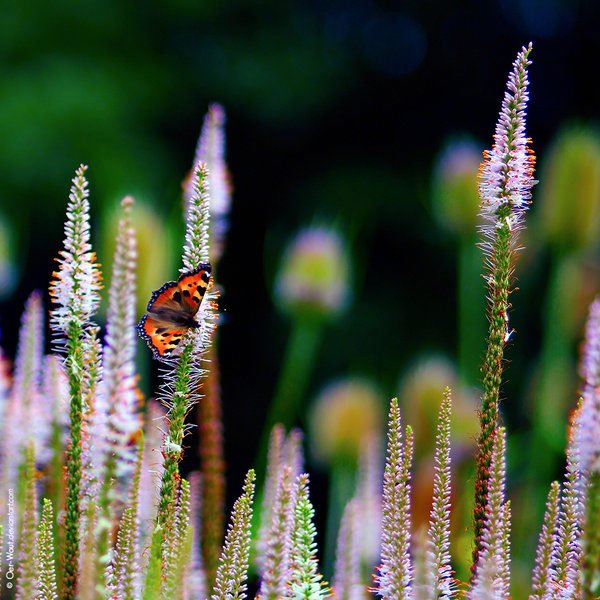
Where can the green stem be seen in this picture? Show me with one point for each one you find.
(172, 450)
(73, 508)
(342, 483)
(295, 373)
(555, 369)
(492, 368)
(471, 310)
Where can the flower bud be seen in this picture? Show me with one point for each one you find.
(570, 189)
(313, 277)
(455, 195)
(345, 414)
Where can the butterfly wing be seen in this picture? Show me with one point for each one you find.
(162, 336)
(171, 311)
(164, 298)
(191, 288)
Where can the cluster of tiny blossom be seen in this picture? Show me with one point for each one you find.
(211, 150)
(45, 564)
(368, 497)
(506, 174)
(276, 571)
(396, 572)
(588, 422)
(27, 575)
(544, 573)
(346, 577)
(196, 248)
(284, 451)
(492, 578)
(25, 418)
(305, 579)
(76, 285)
(438, 569)
(232, 572)
(119, 385)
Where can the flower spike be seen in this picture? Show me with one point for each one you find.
(505, 181)
(395, 572)
(232, 572)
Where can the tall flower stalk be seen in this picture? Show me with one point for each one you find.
(181, 386)
(277, 565)
(27, 577)
(346, 577)
(492, 576)
(506, 178)
(232, 571)
(438, 570)
(396, 571)
(568, 553)
(305, 582)
(211, 151)
(45, 568)
(544, 573)
(119, 386)
(588, 452)
(74, 291)
(21, 422)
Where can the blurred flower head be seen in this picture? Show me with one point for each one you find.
(344, 415)
(420, 395)
(570, 190)
(455, 186)
(314, 273)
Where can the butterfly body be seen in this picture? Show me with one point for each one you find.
(172, 310)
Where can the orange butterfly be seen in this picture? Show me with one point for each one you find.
(172, 311)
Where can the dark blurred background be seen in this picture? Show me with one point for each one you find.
(336, 113)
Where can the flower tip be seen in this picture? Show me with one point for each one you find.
(127, 202)
(217, 113)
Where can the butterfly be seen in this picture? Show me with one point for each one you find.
(172, 310)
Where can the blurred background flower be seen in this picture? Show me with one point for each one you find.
(314, 272)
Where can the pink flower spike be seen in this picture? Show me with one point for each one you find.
(506, 174)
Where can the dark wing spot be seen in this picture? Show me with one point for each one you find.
(161, 330)
(186, 293)
(177, 296)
